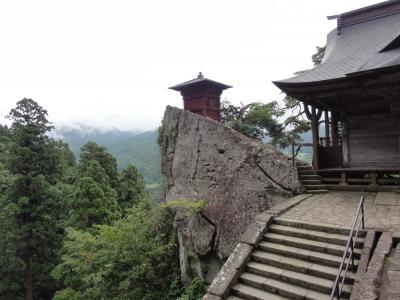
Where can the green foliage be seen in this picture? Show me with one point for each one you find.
(33, 202)
(131, 189)
(93, 203)
(135, 258)
(11, 264)
(281, 125)
(194, 291)
(93, 152)
(265, 121)
(191, 206)
(318, 56)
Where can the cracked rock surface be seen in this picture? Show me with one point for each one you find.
(236, 176)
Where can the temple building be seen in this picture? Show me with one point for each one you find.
(355, 93)
(202, 96)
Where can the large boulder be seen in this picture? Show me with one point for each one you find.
(237, 178)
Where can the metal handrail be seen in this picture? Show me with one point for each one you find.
(351, 242)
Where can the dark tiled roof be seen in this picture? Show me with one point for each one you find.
(362, 46)
(200, 79)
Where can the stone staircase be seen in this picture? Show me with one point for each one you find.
(295, 260)
(310, 180)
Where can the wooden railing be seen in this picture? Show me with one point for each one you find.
(348, 257)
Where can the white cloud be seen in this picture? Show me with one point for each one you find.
(109, 63)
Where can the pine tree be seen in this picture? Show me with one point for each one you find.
(92, 151)
(33, 200)
(131, 188)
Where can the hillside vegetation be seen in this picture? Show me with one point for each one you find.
(128, 147)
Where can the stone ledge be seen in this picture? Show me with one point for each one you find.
(254, 233)
(365, 254)
(394, 275)
(230, 271)
(367, 287)
(281, 208)
(211, 297)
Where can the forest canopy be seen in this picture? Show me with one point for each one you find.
(79, 231)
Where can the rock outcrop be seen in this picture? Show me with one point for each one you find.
(236, 177)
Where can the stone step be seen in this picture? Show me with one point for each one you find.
(281, 288)
(312, 182)
(315, 226)
(309, 177)
(317, 191)
(299, 279)
(314, 187)
(252, 293)
(308, 244)
(236, 298)
(297, 265)
(333, 238)
(303, 254)
(307, 172)
(304, 168)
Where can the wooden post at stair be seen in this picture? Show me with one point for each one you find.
(334, 129)
(314, 116)
(327, 135)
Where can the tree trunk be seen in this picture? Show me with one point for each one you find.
(28, 270)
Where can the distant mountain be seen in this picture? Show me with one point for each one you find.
(140, 149)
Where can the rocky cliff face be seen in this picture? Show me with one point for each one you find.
(236, 177)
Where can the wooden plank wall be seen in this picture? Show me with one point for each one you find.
(373, 139)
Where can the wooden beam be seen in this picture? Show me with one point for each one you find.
(315, 137)
(327, 135)
(334, 129)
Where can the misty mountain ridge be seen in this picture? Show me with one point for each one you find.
(128, 147)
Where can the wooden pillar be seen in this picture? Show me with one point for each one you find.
(345, 144)
(315, 137)
(373, 179)
(334, 129)
(327, 136)
(343, 180)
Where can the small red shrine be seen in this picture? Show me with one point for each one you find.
(202, 96)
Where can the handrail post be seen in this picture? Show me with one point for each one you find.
(349, 255)
(352, 254)
(362, 213)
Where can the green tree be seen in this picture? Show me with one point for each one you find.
(281, 124)
(34, 203)
(265, 122)
(92, 151)
(135, 258)
(131, 189)
(92, 204)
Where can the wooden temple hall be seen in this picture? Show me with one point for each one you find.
(352, 100)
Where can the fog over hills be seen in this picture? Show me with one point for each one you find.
(128, 147)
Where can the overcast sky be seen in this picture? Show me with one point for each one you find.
(110, 63)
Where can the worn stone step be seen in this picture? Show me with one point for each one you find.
(249, 292)
(317, 191)
(316, 226)
(231, 297)
(312, 182)
(310, 187)
(283, 289)
(303, 254)
(311, 282)
(309, 176)
(333, 238)
(305, 168)
(298, 265)
(307, 172)
(308, 244)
